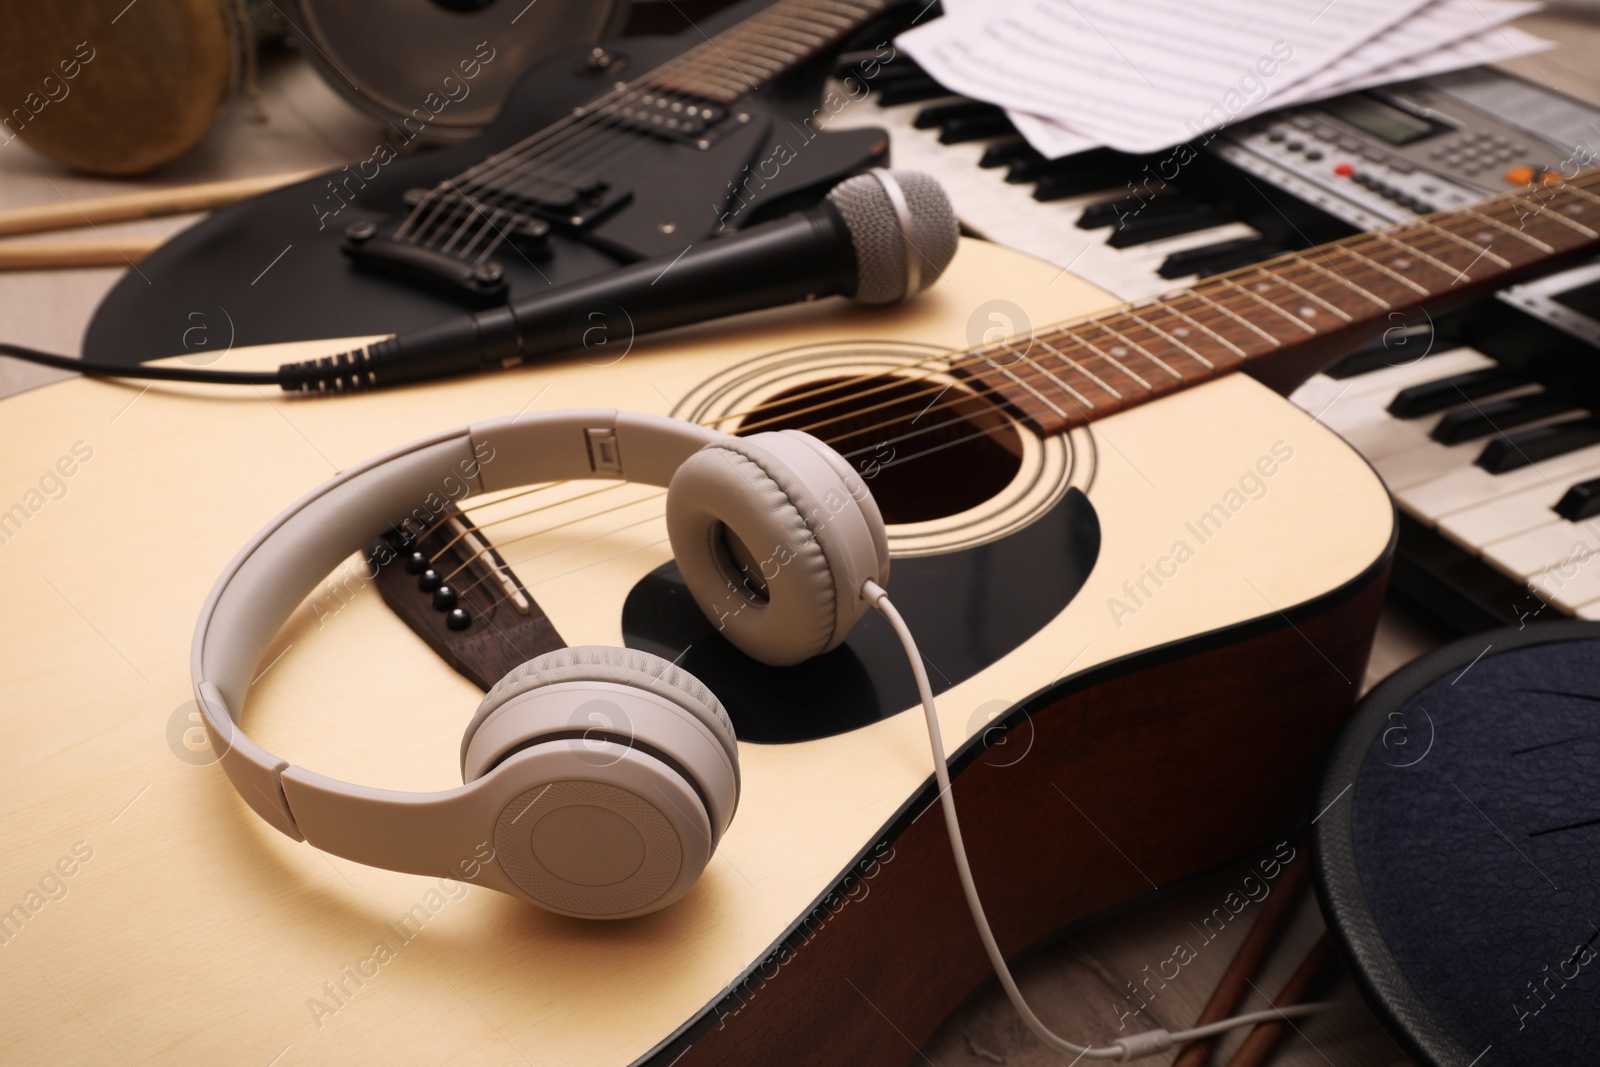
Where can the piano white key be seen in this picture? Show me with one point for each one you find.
(1544, 547)
(1504, 516)
(1472, 485)
(1424, 463)
(1381, 434)
(1317, 392)
(1571, 584)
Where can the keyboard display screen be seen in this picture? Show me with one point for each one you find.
(1389, 123)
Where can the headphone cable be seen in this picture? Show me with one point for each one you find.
(1135, 1046)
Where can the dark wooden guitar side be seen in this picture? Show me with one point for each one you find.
(274, 268)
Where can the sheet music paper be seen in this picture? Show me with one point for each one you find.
(1080, 73)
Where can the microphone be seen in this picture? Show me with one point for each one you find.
(878, 237)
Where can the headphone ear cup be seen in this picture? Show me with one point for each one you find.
(775, 536)
(625, 776)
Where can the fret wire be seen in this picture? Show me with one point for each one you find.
(781, 50)
(1408, 249)
(1076, 335)
(1170, 306)
(1273, 341)
(1099, 354)
(1396, 275)
(1491, 220)
(853, 12)
(1085, 371)
(1562, 218)
(1175, 340)
(801, 28)
(1142, 350)
(1574, 187)
(1223, 340)
(1007, 372)
(1204, 328)
(1338, 277)
(1258, 298)
(1309, 295)
(1046, 372)
(1483, 253)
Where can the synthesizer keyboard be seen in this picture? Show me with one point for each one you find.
(1492, 453)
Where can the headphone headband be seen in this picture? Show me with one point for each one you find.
(272, 575)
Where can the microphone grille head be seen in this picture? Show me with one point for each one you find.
(903, 229)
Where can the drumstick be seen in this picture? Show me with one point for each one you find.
(1275, 915)
(145, 204)
(1258, 1046)
(42, 255)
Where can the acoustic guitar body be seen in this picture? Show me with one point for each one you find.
(273, 268)
(1142, 633)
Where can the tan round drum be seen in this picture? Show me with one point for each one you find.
(112, 87)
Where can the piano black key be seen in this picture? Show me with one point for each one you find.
(858, 64)
(975, 128)
(1223, 266)
(1207, 258)
(909, 91)
(1069, 183)
(1107, 163)
(1399, 346)
(1481, 420)
(1510, 452)
(1074, 175)
(1107, 212)
(1428, 397)
(939, 114)
(1003, 153)
(1582, 501)
(1145, 227)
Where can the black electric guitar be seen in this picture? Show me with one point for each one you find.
(601, 156)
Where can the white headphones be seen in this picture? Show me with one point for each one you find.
(581, 822)
(617, 825)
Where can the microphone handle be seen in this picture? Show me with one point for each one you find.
(799, 257)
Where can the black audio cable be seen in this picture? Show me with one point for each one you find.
(877, 238)
(378, 364)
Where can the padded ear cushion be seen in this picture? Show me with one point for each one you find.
(608, 663)
(808, 530)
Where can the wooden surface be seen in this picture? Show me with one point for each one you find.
(1079, 979)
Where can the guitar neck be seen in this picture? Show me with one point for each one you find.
(1286, 318)
(749, 56)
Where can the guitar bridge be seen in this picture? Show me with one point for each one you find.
(451, 586)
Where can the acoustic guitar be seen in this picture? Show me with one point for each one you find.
(600, 156)
(1145, 585)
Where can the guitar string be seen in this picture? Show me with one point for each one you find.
(687, 67)
(1063, 334)
(789, 414)
(538, 141)
(691, 67)
(942, 363)
(694, 67)
(965, 392)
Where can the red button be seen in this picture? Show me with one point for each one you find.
(1344, 170)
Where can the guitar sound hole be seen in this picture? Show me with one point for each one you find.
(925, 451)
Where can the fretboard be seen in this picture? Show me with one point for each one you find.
(1288, 317)
(747, 57)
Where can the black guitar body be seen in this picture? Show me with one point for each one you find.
(271, 268)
